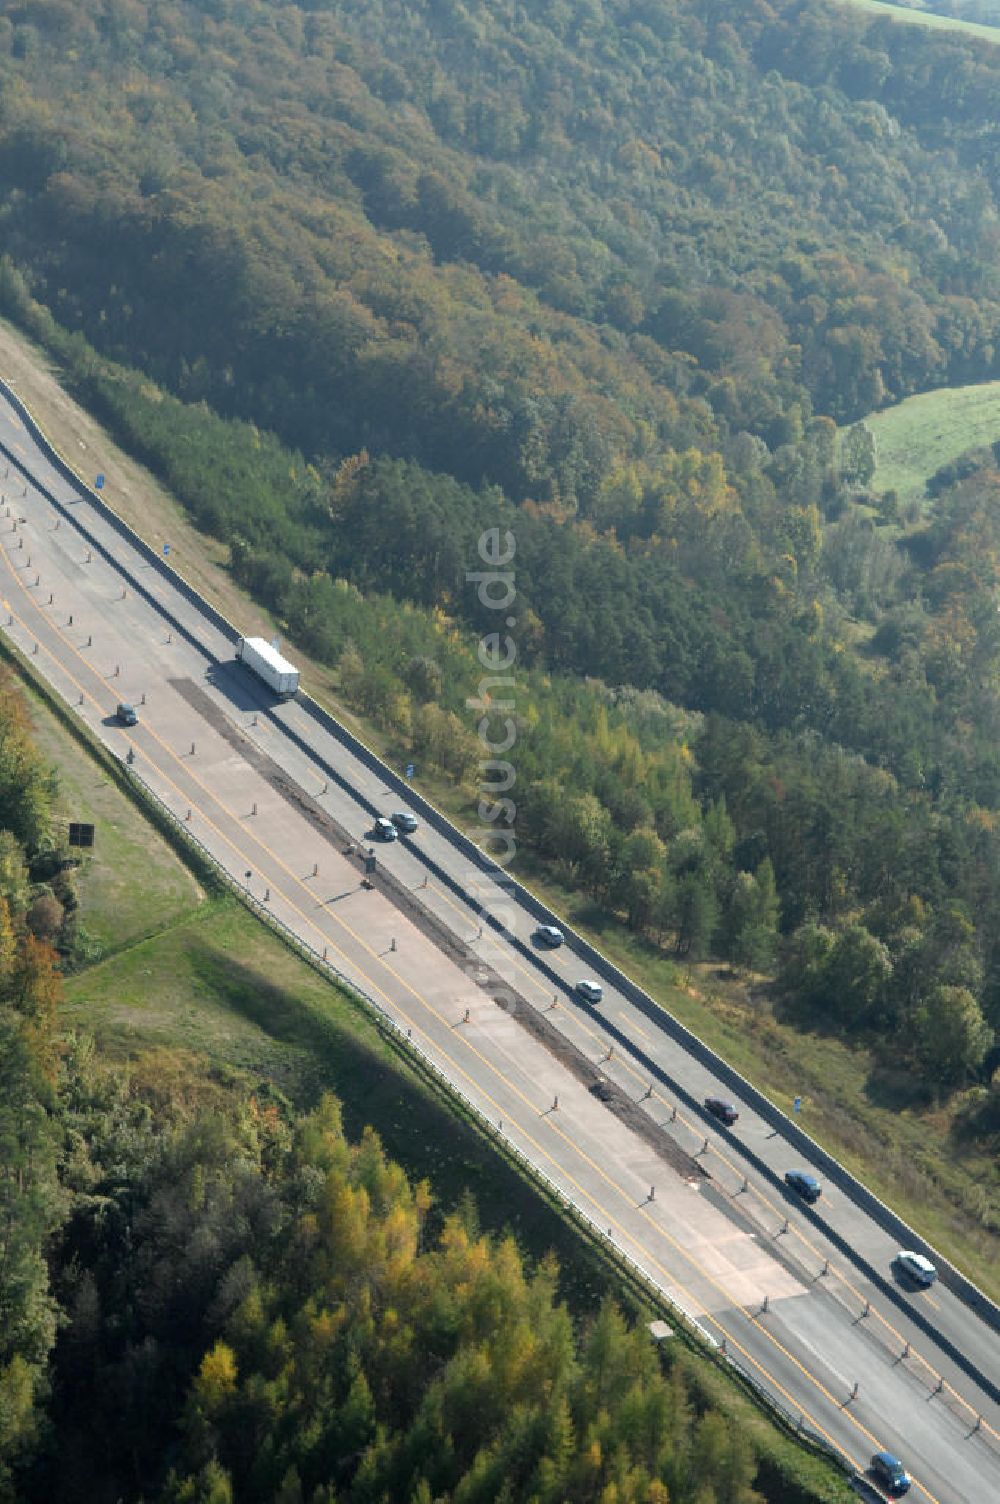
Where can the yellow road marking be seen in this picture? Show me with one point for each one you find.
(393, 1006)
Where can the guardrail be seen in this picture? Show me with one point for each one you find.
(404, 1041)
(889, 1220)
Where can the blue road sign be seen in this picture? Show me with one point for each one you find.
(410, 770)
(797, 1104)
(166, 549)
(99, 482)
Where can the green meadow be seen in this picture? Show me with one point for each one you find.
(916, 437)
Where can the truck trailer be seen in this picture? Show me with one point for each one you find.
(267, 663)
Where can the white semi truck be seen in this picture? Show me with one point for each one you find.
(267, 663)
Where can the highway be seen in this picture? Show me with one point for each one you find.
(279, 802)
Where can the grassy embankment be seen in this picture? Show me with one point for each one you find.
(199, 997)
(916, 437)
(197, 994)
(906, 1153)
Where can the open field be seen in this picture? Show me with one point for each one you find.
(929, 18)
(916, 437)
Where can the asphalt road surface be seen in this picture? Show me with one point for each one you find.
(844, 1355)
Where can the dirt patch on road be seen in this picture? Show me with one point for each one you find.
(408, 901)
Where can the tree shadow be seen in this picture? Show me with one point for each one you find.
(412, 1116)
(896, 1088)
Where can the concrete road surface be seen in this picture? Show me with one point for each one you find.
(253, 783)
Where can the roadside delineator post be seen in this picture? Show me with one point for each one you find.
(254, 810)
(315, 869)
(392, 943)
(267, 895)
(143, 700)
(652, 1193)
(555, 1104)
(188, 815)
(465, 1020)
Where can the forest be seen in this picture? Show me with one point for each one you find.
(433, 268)
(210, 1293)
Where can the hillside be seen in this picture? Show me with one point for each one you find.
(363, 283)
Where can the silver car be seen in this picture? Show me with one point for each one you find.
(591, 992)
(916, 1267)
(549, 934)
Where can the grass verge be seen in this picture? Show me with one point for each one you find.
(201, 996)
(132, 883)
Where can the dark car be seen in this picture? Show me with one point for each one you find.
(384, 830)
(721, 1109)
(803, 1184)
(126, 714)
(549, 934)
(890, 1474)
